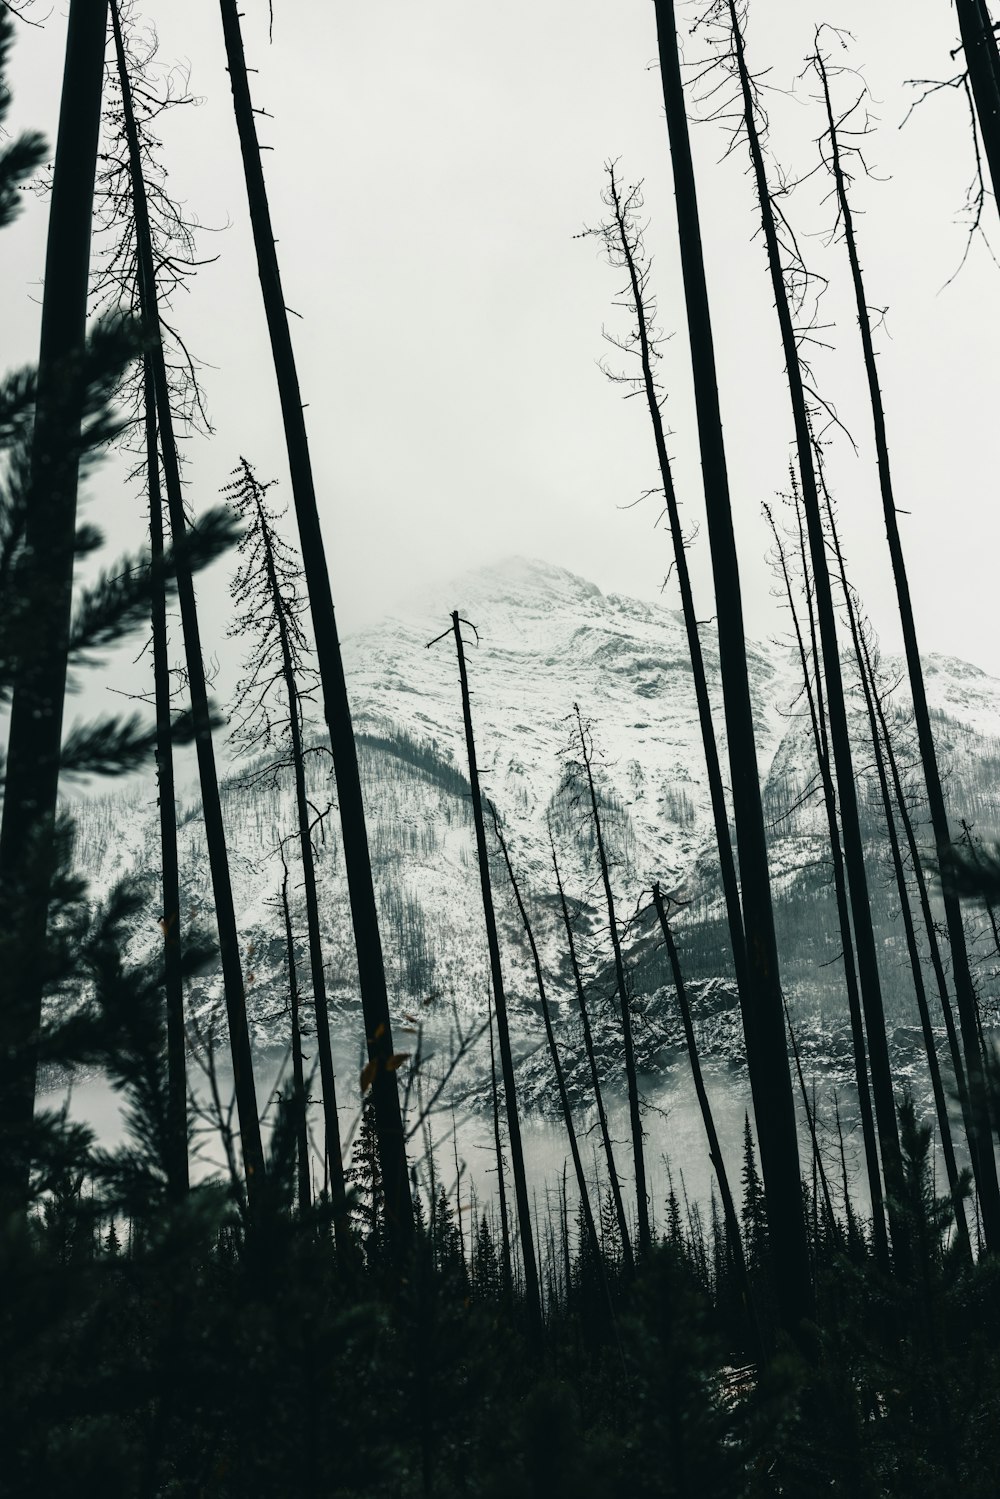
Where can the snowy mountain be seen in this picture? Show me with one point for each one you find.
(546, 640)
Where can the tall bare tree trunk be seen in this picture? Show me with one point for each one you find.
(215, 833)
(532, 1293)
(357, 859)
(167, 806)
(771, 1081)
(864, 935)
(331, 1118)
(817, 718)
(980, 48)
(980, 1140)
(35, 732)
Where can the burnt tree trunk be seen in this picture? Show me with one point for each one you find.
(864, 936)
(36, 717)
(215, 833)
(770, 1076)
(357, 859)
(331, 1118)
(170, 921)
(532, 1293)
(817, 718)
(980, 1140)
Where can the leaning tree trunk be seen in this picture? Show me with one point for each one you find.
(864, 935)
(818, 722)
(532, 1294)
(357, 859)
(506, 1271)
(770, 1077)
(727, 863)
(980, 1140)
(167, 806)
(36, 717)
(595, 1077)
(631, 1078)
(215, 833)
(331, 1118)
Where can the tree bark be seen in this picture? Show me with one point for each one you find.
(864, 936)
(980, 1140)
(357, 859)
(770, 1078)
(166, 804)
(215, 833)
(298, 1069)
(36, 717)
(532, 1294)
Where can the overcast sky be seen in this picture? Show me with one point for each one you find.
(432, 161)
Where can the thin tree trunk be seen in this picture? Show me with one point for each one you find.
(36, 717)
(564, 1103)
(166, 802)
(631, 1078)
(980, 1141)
(357, 859)
(819, 1170)
(298, 1070)
(818, 722)
(334, 1148)
(708, 1119)
(770, 1076)
(864, 935)
(870, 690)
(508, 1278)
(727, 863)
(532, 1293)
(588, 1041)
(215, 833)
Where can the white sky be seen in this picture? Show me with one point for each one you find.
(432, 161)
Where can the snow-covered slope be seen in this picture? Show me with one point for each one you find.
(546, 640)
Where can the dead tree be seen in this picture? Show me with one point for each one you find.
(239, 1032)
(336, 707)
(771, 1080)
(298, 1067)
(278, 680)
(864, 935)
(622, 237)
(532, 1293)
(980, 1139)
(809, 661)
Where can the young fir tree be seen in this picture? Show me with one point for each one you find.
(279, 681)
(336, 707)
